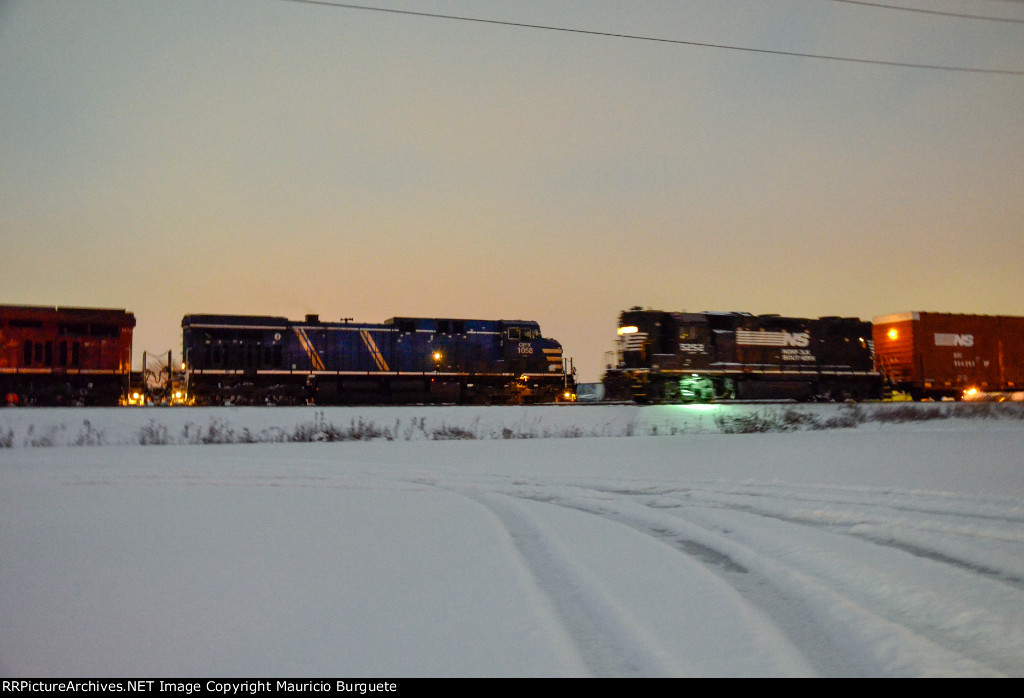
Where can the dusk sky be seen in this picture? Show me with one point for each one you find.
(276, 157)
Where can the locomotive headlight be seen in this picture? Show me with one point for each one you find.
(629, 329)
(892, 333)
(437, 356)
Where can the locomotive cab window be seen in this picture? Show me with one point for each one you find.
(514, 333)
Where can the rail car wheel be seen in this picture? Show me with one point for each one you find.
(654, 391)
(670, 392)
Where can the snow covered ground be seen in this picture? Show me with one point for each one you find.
(551, 541)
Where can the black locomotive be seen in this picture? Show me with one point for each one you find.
(696, 357)
(257, 360)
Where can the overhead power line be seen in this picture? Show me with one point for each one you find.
(636, 37)
(957, 15)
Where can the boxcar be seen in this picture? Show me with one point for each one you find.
(261, 359)
(64, 356)
(940, 355)
(686, 357)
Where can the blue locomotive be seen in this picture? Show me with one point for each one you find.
(244, 359)
(699, 357)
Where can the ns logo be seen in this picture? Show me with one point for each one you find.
(796, 339)
(954, 340)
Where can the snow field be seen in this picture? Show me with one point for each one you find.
(895, 548)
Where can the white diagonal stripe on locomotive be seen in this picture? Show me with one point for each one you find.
(307, 347)
(553, 355)
(373, 350)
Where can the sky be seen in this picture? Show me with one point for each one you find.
(276, 157)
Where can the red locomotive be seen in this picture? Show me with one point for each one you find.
(64, 356)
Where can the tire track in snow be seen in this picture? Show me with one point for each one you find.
(890, 535)
(789, 614)
(983, 535)
(841, 635)
(935, 596)
(614, 632)
(976, 507)
(928, 553)
(609, 643)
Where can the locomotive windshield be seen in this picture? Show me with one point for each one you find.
(518, 333)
